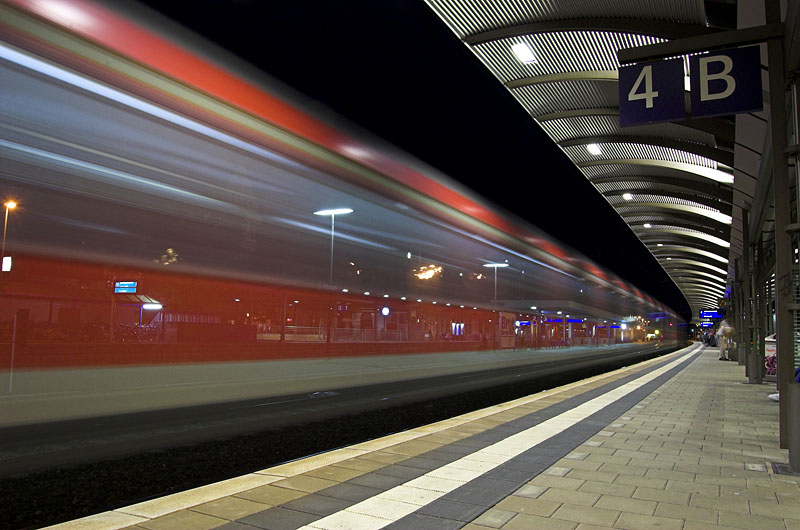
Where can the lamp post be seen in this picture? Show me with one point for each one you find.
(10, 205)
(496, 266)
(333, 213)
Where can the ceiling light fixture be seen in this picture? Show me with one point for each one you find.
(523, 53)
(594, 149)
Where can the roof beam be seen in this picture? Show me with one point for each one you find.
(713, 174)
(724, 193)
(585, 75)
(676, 219)
(657, 28)
(676, 230)
(700, 43)
(691, 250)
(720, 155)
(711, 202)
(723, 129)
(716, 216)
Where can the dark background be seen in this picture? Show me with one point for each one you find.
(395, 69)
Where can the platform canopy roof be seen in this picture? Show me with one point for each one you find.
(671, 182)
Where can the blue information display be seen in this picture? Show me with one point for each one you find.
(726, 82)
(711, 313)
(651, 92)
(125, 287)
(706, 324)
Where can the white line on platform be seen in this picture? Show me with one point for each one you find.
(398, 502)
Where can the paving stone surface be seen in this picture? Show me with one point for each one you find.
(690, 449)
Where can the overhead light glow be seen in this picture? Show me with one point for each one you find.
(533, 307)
(495, 265)
(660, 245)
(627, 196)
(594, 149)
(648, 225)
(385, 311)
(334, 211)
(6, 264)
(151, 307)
(523, 53)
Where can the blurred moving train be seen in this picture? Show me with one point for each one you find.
(166, 231)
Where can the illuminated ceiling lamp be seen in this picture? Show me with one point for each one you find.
(627, 196)
(523, 53)
(594, 149)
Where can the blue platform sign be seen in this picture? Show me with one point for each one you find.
(651, 92)
(125, 287)
(726, 82)
(711, 313)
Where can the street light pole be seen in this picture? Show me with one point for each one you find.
(333, 213)
(496, 266)
(10, 205)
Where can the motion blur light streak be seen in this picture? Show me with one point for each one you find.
(132, 181)
(50, 70)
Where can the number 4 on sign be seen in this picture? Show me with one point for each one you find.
(649, 94)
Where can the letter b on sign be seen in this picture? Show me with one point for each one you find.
(726, 82)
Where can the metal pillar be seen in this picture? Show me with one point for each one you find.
(784, 325)
(749, 310)
(757, 364)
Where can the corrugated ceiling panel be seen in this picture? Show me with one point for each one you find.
(578, 153)
(545, 98)
(558, 52)
(582, 126)
(618, 200)
(475, 16)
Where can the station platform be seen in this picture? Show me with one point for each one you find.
(678, 442)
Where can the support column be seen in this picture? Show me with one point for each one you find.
(784, 326)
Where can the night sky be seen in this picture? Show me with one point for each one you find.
(394, 68)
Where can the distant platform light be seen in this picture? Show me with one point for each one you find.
(523, 53)
(647, 225)
(660, 245)
(151, 307)
(6, 263)
(627, 196)
(594, 149)
(345, 290)
(385, 311)
(402, 298)
(366, 293)
(534, 307)
(408, 255)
